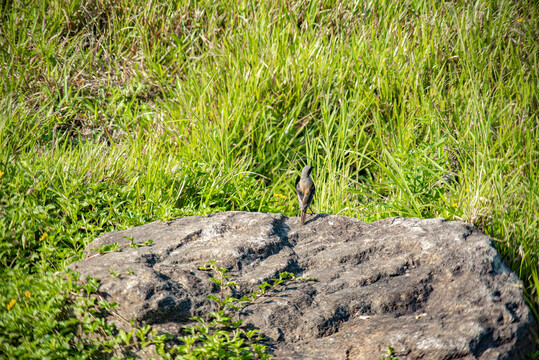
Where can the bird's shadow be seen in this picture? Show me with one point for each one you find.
(316, 216)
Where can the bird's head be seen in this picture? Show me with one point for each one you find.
(306, 171)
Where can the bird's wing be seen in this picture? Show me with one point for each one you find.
(308, 197)
(299, 192)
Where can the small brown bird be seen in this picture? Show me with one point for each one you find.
(305, 190)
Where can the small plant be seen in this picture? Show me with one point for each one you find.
(390, 352)
(132, 242)
(113, 273)
(106, 248)
(136, 246)
(115, 247)
(147, 242)
(90, 286)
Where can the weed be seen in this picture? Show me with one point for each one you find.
(390, 352)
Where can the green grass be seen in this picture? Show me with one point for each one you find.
(117, 113)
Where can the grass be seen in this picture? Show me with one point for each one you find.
(117, 113)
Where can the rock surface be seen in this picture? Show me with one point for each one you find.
(432, 289)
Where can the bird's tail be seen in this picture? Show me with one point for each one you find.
(303, 216)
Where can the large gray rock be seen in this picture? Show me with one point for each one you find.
(432, 289)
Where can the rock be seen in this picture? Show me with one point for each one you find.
(432, 289)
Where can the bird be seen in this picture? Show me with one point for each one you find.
(305, 190)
